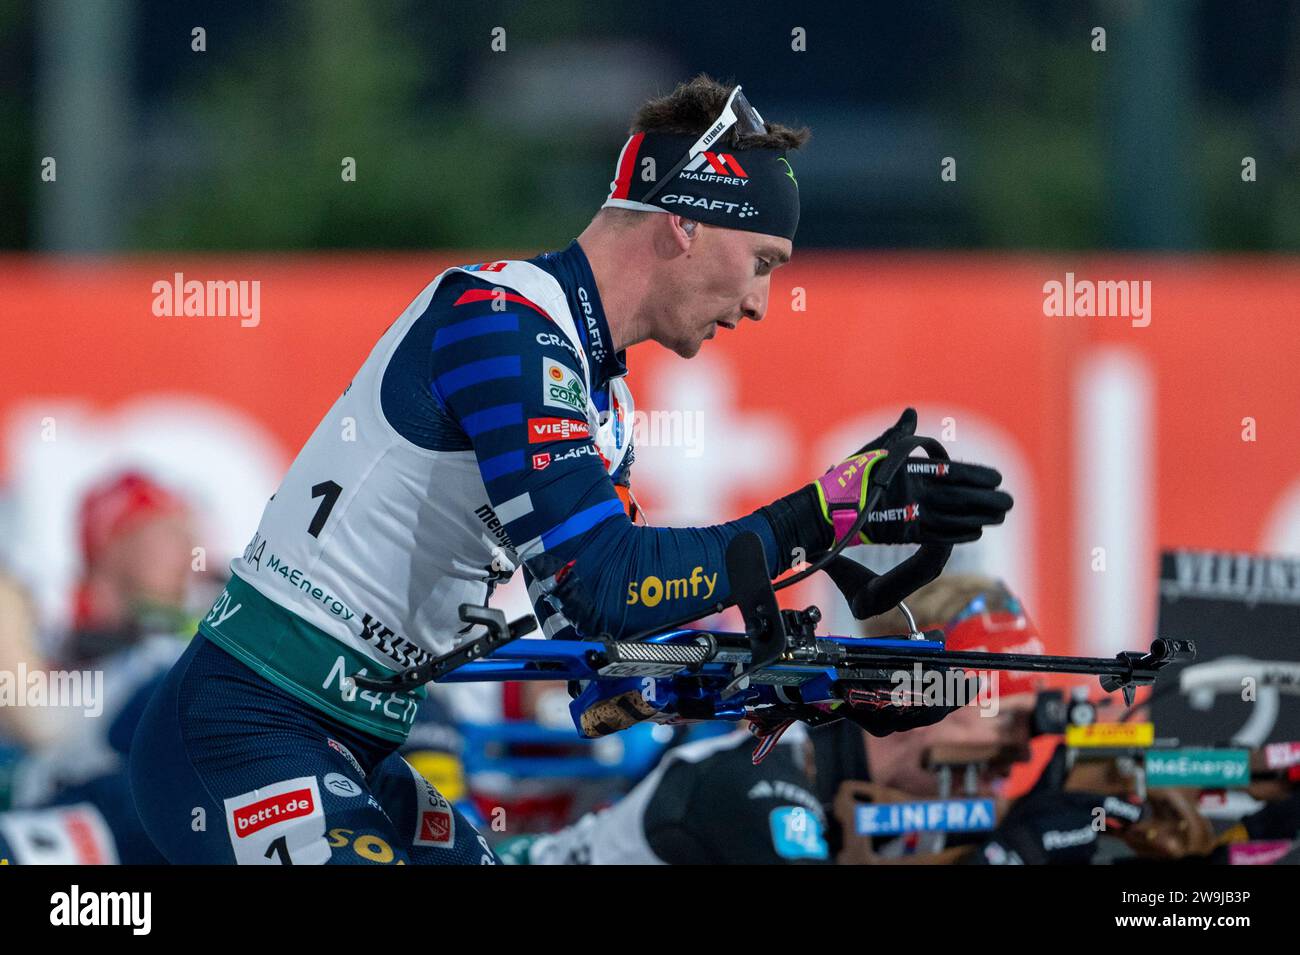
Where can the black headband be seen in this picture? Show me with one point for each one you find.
(750, 189)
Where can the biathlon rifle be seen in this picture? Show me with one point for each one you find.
(778, 670)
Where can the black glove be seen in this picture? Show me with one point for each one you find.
(891, 718)
(1048, 826)
(929, 502)
(942, 502)
(904, 428)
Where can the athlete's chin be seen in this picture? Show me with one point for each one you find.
(689, 349)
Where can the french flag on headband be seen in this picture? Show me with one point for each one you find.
(626, 165)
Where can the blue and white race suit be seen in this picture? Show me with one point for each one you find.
(490, 427)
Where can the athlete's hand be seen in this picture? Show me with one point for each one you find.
(1174, 829)
(1050, 826)
(929, 502)
(896, 714)
(897, 719)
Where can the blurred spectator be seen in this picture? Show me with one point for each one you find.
(132, 618)
(136, 540)
(23, 726)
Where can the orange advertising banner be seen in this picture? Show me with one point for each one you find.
(1132, 404)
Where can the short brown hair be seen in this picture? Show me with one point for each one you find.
(692, 106)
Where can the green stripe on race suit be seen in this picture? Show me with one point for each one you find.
(305, 661)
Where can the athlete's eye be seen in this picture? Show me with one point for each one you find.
(764, 266)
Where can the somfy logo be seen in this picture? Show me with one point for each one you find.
(103, 908)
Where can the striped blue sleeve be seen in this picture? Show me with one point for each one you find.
(512, 382)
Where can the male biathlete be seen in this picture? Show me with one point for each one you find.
(491, 427)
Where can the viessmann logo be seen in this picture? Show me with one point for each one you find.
(541, 430)
(266, 812)
(652, 590)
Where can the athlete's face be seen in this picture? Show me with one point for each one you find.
(151, 562)
(902, 756)
(722, 278)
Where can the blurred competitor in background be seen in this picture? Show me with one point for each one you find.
(20, 726)
(491, 427)
(132, 615)
(1047, 825)
(706, 803)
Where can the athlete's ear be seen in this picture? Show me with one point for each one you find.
(683, 231)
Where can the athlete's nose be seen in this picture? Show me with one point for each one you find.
(754, 306)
